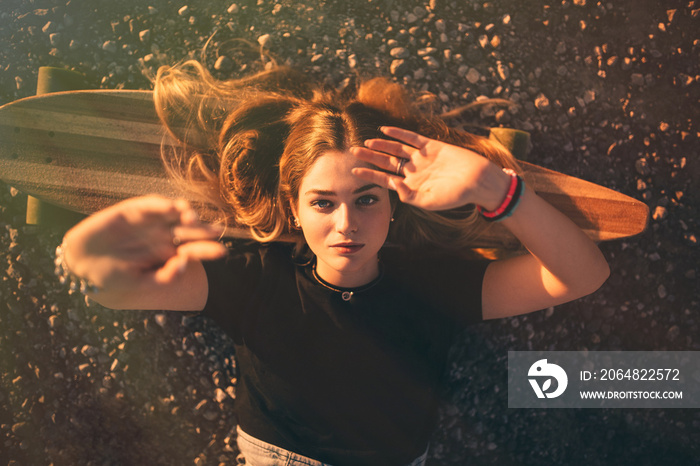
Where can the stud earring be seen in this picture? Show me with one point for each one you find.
(392, 219)
(296, 223)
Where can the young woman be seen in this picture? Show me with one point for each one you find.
(342, 337)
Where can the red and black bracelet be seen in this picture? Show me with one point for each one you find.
(511, 201)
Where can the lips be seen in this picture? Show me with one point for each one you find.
(347, 248)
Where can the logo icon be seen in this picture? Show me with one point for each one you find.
(551, 371)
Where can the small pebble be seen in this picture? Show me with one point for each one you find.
(264, 40)
(129, 334)
(427, 51)
(660, 213)
(49, 27)
(398, 67)
(161, 320)
(542, 102)
(55, 39)
(673, 333)
(473, 75)
(642, 167)
(399, 52)
(637, 79)
(223, 63)
(109, 46)
(431, 62)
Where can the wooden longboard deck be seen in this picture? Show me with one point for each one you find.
(86, 150)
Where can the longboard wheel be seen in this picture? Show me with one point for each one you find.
(53, 79)
(515, 140)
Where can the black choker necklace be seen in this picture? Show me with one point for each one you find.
(346, 294)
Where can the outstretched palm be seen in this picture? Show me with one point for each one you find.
(147, 239)
(433, 176)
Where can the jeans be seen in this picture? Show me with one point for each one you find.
(255, 452)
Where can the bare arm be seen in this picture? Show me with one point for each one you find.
(128, 252)
(563, 263)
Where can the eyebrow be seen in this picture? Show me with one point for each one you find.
(361, 189)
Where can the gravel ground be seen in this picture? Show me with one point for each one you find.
(609, 91)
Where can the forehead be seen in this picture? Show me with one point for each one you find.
(333, 170)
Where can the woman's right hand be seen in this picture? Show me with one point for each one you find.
(141, 249)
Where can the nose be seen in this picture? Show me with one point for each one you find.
(345, 222)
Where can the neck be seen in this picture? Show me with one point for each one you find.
(347, 279)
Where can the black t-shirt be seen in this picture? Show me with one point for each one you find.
(344, 382)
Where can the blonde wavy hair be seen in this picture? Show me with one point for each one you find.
(246, 144)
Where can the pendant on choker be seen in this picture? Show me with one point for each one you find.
(344, 294)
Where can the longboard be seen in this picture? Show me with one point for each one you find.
(86, 150)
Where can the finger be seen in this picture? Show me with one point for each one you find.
(160, 209)
(177, 264)
(159, 242)
(203, 250)
(173, 267)
(157, 205)
(149, 210)
(382, 161)
(393, 182)
(188, 216)
(406, 136)
(186, 234)
(406, 194)
(394, 148)
(374, 176)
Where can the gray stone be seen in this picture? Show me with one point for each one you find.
(399, 52)
(55, 39)
(503, 71)
(431, 62)
(473, 75)
(642, 167)
(637, 79)
(398, 67)
(109, 46)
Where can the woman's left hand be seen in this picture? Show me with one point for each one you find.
(430, 174)
(563, 263)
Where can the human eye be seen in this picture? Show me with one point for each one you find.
(321, 204)
(367, 200)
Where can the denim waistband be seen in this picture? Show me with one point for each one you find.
(256, 452)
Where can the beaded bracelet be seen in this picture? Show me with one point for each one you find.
(511, 201)
(65, 276)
